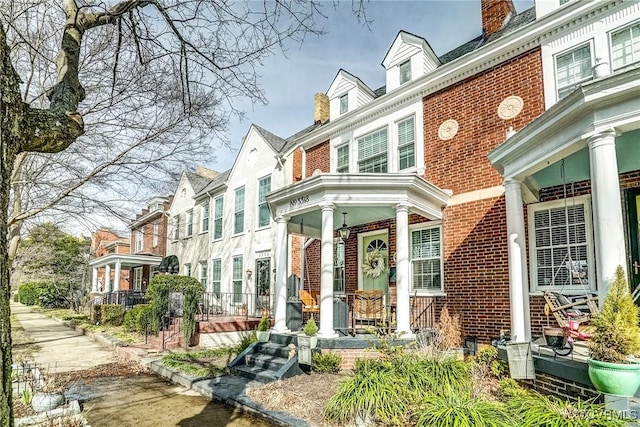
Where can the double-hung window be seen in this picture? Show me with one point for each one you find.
(426, 258)
(238, 219)
(560, 245)
(625, 46)
(189, 221)
(176, 227)
(372, 152)
(406, 143)
(156, 233)
(203, 273)
(342, 153)
(573, 68)
(139, 240)
(204, 218)
(187, 270)
(405, 71)
(264, 187)
(344, 103)
(137, 278)
(216, 276)
(218, 206)
(236, 264)
(338, 266)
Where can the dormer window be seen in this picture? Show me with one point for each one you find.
(344, 103)
(405, 71)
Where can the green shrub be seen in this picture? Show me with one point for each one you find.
(264, 324)
(372, 393)
(138, 318)
(54, 295)
(326, 363)
(111, 314)
(246, 340)
(29, 292)
(310, 328)
(461, 410)
(535, 410)
(96, 312)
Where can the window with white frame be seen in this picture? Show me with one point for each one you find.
(137, 278)
(189, 222)
(405, 71)
(560, 243)
(372, 152)
(218, 207)
(216, 276)
(426, 258)
(238, 214)
(338, 266)
(342, 155)
(236, 263)
(156, 233)
(625, 46)
(344, 103)
(264, 187)
(187, 270)
(406, 143)
(139, 240)
(203, 273)
(176, 227)
(573, 68)
(204, 218)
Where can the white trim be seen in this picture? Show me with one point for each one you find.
(424, 226)
(137, 278)
(590, 43)
(533, 272)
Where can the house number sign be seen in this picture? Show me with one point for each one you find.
(299, 201)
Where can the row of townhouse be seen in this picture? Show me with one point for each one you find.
(482, 177)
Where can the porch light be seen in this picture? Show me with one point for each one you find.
(344, 230)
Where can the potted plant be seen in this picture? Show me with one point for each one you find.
(262, 333)
(615, 340)
(307, 341)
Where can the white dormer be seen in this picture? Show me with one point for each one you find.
(545, 7)
(409, 57)
(347, 93)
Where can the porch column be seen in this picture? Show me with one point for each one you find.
(280, 297)
(94, 279)
(518, 278)
(326, 273)
(107, 278)
(116, 279)
(403, 325)
(607, 209)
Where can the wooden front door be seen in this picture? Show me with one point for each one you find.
(374, 276)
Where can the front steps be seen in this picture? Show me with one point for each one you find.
(268, 361)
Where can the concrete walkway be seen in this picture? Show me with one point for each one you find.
(61, 348)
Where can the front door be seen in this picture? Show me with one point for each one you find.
(263, 285)
(375, 262)
(633, 221)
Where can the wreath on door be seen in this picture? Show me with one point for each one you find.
(373, 264)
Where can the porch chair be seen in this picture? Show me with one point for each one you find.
(368, 309)
(567, 313)
(309, 303)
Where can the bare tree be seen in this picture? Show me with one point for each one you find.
(149, 82)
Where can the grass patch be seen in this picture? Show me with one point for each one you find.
(203, 363)
(60, 313)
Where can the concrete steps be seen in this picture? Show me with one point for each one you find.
(266, 362)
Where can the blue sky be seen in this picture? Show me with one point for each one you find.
(290, 82)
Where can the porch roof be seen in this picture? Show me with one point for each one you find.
(611, 102)
(364, 197)
(126, 260)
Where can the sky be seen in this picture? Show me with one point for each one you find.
(291, 80)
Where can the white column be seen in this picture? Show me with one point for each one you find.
(280, 297)
(94, 279)
(326, 273)
(607, 209)
(518, 278)
(116, 279)
(107, 278)
(403, 316)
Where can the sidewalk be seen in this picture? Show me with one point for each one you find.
(65, 349)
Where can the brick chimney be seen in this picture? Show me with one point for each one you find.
(495, 13)
(321, 108)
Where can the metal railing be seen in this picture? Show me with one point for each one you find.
(126, 298)
(229, 304)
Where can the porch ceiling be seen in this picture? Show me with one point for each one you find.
(126, 260)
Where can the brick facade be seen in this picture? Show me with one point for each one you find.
(318, 157)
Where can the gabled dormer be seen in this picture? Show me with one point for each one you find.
(408, 58)
(347, 93)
